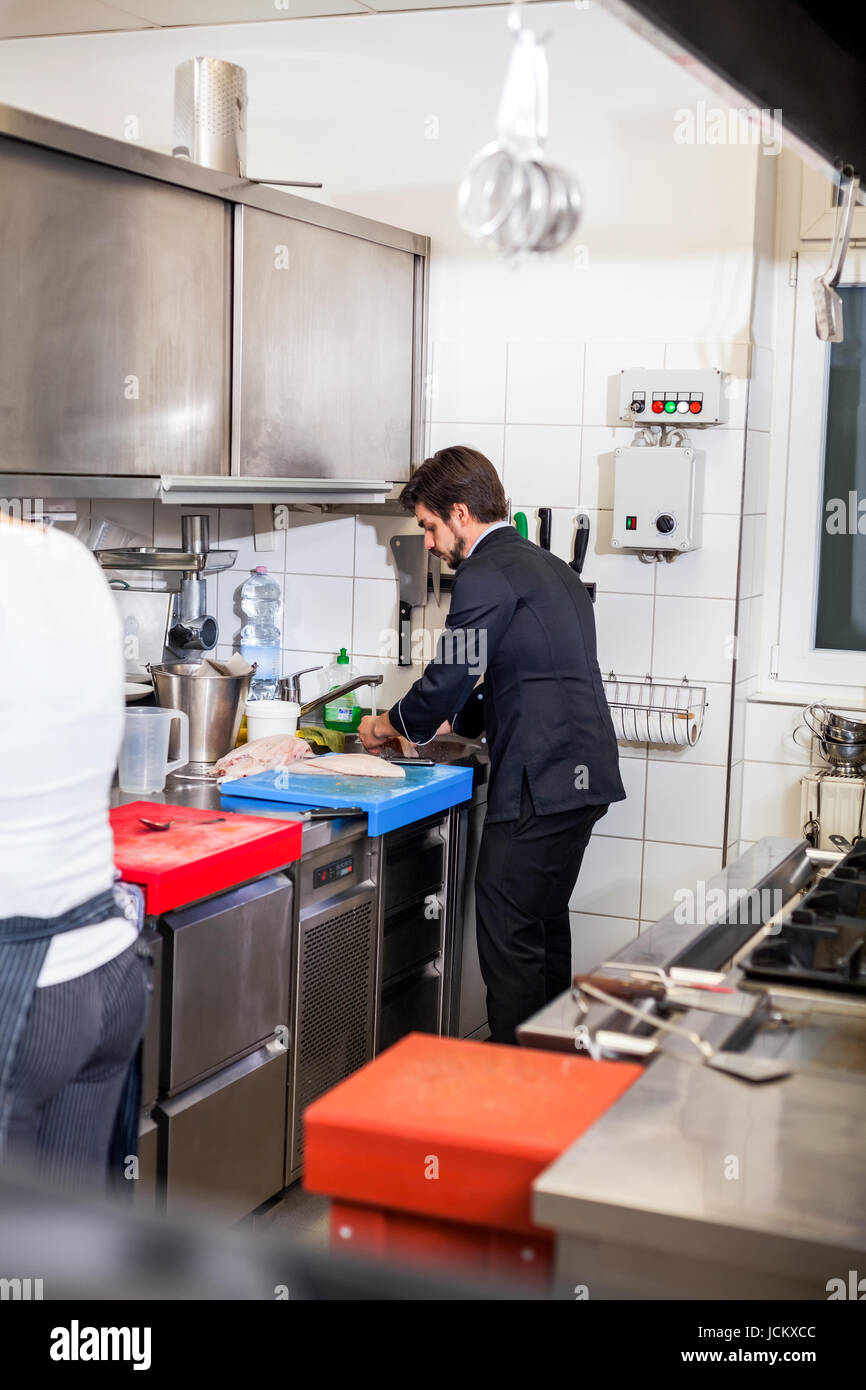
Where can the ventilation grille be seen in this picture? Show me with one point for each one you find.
(334, 1006)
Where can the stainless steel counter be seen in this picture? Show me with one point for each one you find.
(698, 1185)
(205, 795)
(778, 867)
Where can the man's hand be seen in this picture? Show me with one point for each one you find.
(375, 730)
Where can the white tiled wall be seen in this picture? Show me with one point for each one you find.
(557, 404)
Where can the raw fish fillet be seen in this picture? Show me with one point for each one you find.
(264, 755)
(349, 765)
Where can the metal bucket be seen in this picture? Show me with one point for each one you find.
(210, 101)
(213, 704)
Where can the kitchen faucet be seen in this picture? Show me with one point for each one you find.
(330, 695)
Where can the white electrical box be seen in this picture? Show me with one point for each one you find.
(665, 396)
(657, 499)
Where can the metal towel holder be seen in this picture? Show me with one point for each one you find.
(648, 711)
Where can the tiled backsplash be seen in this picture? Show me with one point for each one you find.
(335, 572)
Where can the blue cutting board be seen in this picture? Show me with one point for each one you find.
(389, 805)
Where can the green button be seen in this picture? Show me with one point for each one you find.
(670, 407)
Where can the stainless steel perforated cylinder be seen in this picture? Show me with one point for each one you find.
(210, 105)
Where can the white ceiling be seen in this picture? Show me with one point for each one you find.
(33, 18)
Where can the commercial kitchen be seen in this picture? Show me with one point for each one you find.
(258, 264)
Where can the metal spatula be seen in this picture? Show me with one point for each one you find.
(828, 305)
(754, 1069)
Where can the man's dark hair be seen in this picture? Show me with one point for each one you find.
(458, 474)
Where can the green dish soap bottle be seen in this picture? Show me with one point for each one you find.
(343, 715)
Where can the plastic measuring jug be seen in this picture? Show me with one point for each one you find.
(143, 763)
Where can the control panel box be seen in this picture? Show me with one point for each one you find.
(657, 499)
(665, 396)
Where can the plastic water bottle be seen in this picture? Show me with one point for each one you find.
(260, 636)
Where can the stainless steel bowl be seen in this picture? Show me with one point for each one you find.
(841, 726)
(843, 754)
(213, 703)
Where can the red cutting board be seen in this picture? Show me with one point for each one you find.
(191, 860)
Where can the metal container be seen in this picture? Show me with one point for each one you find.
(841, 727)
(847, 754)
(213, 704)
(210, 102)
(838, 725)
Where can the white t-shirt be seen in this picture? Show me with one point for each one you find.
(61, 721)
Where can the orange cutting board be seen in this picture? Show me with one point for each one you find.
(453, 1129)
(192, 860)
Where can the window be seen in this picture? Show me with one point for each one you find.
(840, 622)
(822, 586)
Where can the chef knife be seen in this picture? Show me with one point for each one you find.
(678, 996)
(410, 556)
(581, 542)
(581, 545)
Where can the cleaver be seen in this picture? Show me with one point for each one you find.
(410, 557)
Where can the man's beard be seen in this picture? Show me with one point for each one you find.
(455, 556)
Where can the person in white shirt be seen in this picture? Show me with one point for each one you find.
(73, 987)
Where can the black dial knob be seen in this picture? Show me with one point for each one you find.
(665, 523)
(637, 407)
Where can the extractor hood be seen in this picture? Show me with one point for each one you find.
(202, 489)
(805, 59)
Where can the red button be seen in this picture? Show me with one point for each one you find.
(658, 407)
(695, 407)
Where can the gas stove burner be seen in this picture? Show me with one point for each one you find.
(822, 942)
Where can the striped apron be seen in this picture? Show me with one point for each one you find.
(24, 943)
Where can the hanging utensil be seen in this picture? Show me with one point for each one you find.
(828, 304)
(410, 556)
(509, 194)
(434, 574)
(578, 555)
(743, 1068)
(544, 524)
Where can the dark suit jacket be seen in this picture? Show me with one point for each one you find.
(522, 618)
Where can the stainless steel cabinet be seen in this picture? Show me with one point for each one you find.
(227, 972)
(114, 320)
(224, 1140)
(326, 351)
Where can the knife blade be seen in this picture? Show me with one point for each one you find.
(410, 557)
(435, 573)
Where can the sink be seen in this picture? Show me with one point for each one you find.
(449, 749)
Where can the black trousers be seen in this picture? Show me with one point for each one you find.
(527, 869)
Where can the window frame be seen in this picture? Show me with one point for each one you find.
(799, 660)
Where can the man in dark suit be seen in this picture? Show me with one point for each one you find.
(522, 617)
